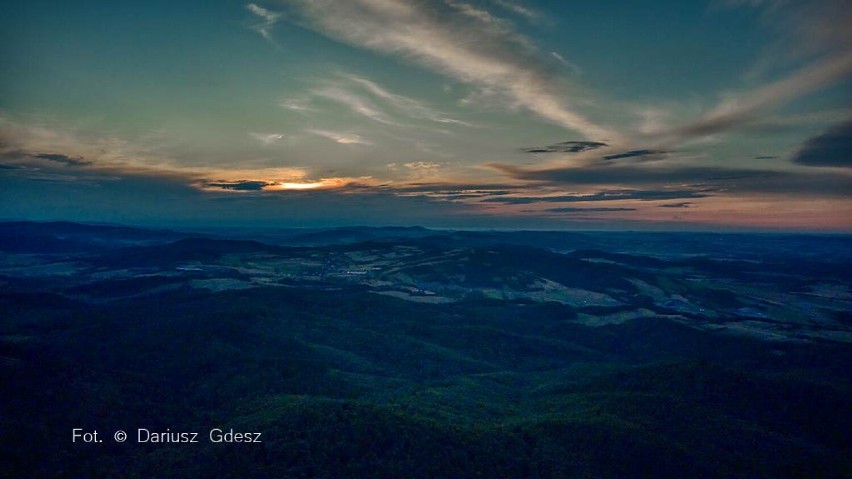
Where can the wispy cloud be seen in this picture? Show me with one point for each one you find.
(63, 159)
(268, 20)
(422, 165)
(747, 106)
(367, 98)
(569, 209)
(356, 103)
(408, 106)
(342, 138)
(267, 138)
(572, 66)
(518, 9)
(486, 54)
(812, 51)
(297, 104)
(45, 142)
(701, 179)
(606, 195)
(806, 27)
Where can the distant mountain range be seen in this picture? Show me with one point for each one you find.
(409, 352)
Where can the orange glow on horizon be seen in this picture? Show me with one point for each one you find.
(312, 185)
(301, 186)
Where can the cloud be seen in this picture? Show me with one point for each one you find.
(288, 183)
(518, 9)
(423, 165)
(567, 147)
(485, 19)
(178, 201)
(355, 103)
(600, 174)
(63, 159)
(300, 105)
(684, 204)
(587, 210)
(239, 185)
(342, 138)
(574, 68)
(450, 188)
(808, 26)
(367, 98)
(814, 43)
(618, 174)
(633, 154)
(811, 51)
(606, 195)
(747, 106)
(72, 147)
(263, 13)
(832, 148)
(267, 138)
(408, 106)
(460, 196)
(268, 17)
(21, 158)
(720, 179)
(487, 54)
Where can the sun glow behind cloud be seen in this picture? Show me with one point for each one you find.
(311, 185)
(276, 184)
(301, 186)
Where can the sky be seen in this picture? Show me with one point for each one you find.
(511, 114)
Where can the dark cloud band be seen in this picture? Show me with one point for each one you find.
(567, 147)
(832, 148)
